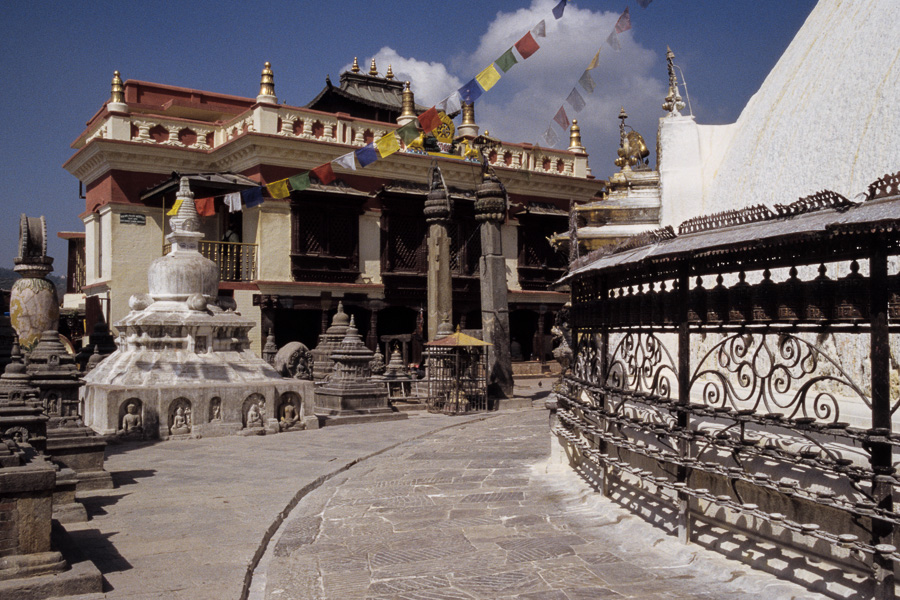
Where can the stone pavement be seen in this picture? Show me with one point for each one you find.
(429, 507)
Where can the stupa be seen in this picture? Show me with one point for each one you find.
(183, 366)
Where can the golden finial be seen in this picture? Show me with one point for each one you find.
(673, 103)
(267, 82)
(468, 113)
(118, 89)
(575, 136)
(390, 73)
(372, 70)
(409, 102)
(355, 67)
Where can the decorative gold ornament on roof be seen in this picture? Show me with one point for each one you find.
(575, 136)
(267, 82)
(468, 113)
(390, 73)
(118, 89)
(673, 103)
(632, 148)
(373, 71)
(355, 67)
(409, 103)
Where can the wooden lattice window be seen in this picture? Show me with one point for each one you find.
(324, 241)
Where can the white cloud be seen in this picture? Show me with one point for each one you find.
(521, 106)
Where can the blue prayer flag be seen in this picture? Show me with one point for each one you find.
(367, 155)
(252, 197)
(559, 8)
(470, 92)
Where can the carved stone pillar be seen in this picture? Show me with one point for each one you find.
(490, 210)
(440, 286)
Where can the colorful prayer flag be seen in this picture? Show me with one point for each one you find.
(613, 41)
(233, 201)
(347, 161)
(540, 30)
(507, 61)
(279, 189)
(559, 8)
(206, 207)
(624, 22)
(387, 144)
(408, 132)
(575, 100)
(587, 82)
(324, 173)
(470, 92)
(594, 61)
(526, 46)
(366, 155)
(449, 105)
(562, 119)
(550, 137)
(644, 3)
(299, 182)
(429, 119)
(489, 77)
(252, 197)
(174, 210)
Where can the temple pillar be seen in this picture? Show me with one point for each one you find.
(439, 285)
(490, 210)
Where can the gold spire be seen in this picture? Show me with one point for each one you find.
(575, 136)
(390, 73)
(673, 103)
(372, 70)
(118, 90)
(355, 67)
(267, 82)
(468, 113)
(409, 102)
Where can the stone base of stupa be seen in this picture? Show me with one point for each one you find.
(354, 404)
(80, 449)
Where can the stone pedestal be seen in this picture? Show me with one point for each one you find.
(490, 210)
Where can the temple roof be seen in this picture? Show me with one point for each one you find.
(363, 96)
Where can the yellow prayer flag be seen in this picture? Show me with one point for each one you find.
(487, 78)
(279, 189)
(174, 210)
(594, 62)
(387, 144)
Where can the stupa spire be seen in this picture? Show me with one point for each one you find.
(373, 70)
(267, 85)
(673, 103)
(355, 67)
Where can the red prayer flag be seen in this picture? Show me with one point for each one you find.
(562, 119)
(429, 120)
(205, 206)
(324, 173)
(527, 45)
(624, 22)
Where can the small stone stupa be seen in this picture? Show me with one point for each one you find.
(350, 394)
(184, 366)
(328, 343)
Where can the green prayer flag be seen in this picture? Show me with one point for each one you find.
(299, 182)
(506, 61)
(408, 132)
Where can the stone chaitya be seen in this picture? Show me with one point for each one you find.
(328, 343)
(183, 366)
(350, 394)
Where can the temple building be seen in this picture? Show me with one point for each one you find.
(360, 240)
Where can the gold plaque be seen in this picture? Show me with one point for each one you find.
(446, 130)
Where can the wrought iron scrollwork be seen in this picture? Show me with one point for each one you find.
(641, 363)
(773, 373)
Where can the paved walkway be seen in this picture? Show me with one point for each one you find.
(431, 507)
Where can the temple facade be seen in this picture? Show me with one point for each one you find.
(360, 240)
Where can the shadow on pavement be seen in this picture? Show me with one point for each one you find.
(96, 547)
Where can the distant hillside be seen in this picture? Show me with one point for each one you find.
(8, 277)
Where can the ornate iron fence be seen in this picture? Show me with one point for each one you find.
(762, 403)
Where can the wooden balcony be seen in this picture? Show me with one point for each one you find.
(236, 261)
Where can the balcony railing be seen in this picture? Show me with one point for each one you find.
(236, 261)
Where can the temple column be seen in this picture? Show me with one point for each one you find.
(490, 210)
(439, 284)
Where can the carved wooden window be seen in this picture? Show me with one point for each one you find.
(404, 247)
(324, 241)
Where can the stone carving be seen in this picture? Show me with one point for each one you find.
(290, 417)
(180, 419)
(377, 364)
(254, 417)
(294, 360)
(215, 409)
(33, 303)
(132, 425)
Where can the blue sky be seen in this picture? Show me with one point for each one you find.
(58, 59)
